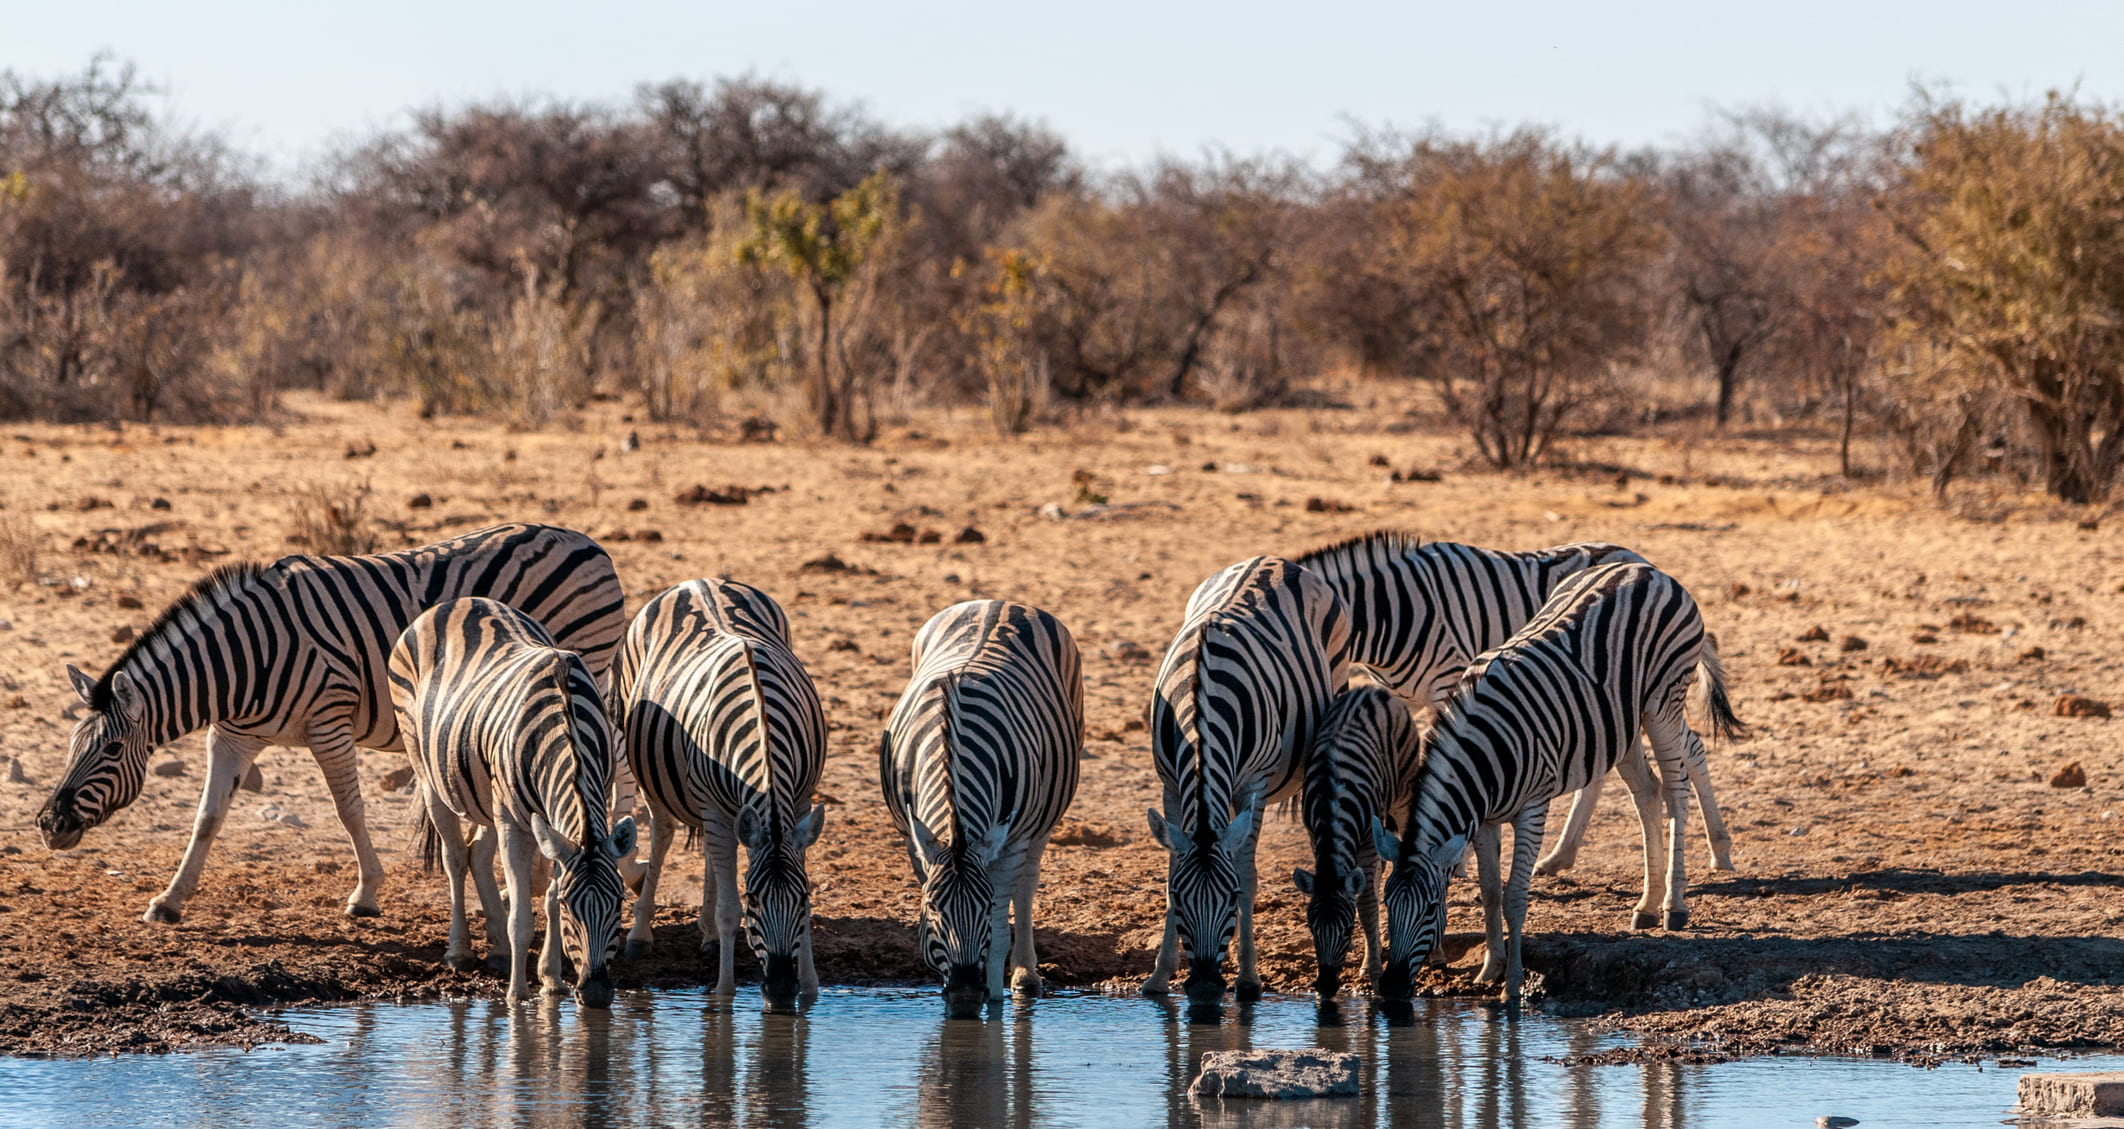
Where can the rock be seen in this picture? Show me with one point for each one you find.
(1277, 1075)
(2073, 705)
(129, 601)
(170, 768)
(969, 536)
(1832, 1121)
(159, 504)
(269, 813)
(2090, 1094)
(1327, 506)
(123, 633)
(2032, 654)
(2071, 776)
(419, 501)
(1815, 634)
(638, 504)
(18, 702)
(1851, 643)
(703, 496)
(397, 778)
(1128, 651)
(1793, 656)
(292, 820)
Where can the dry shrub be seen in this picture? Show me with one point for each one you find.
(18, 551)
(331, 521)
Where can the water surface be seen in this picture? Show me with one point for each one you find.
(869, 1057)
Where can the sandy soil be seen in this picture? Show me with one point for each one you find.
(1910, 881)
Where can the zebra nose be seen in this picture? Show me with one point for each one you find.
(1205, 984)
(778, 983)
(1329, 983)
(595, 992)
(1396, 982)
(965, 990)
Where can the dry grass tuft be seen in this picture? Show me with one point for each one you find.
(330, 521)
(18, 551)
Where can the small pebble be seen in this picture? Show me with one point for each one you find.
(170, 768)
(1832, 1121)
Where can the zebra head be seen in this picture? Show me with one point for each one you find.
(955, 928)
(777, 896)
(1331, 914)
(587, 880)
(106, 759)
(1202, 891)
(1415, 905)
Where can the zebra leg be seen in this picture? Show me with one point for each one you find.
(1644, 790)
(491, 904)
(1526, 842)
(1488, 839)
(624, 790)
(641, 939)
(1565, 854)
(455, 861)
(333, 746)
(552, 976)
(722, 858)
(227, 758)
(1248, 986)
(518, 850)
(1027, 978)
(1161, 977)
(807, 973)
(999, 938)
(1714, 820)
(1368, 912)
(1671, 738)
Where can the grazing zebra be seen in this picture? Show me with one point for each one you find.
(1615, 650)
(1240, 694)
(1360, 769)
(1422, 612)
(508, 731)
(723, 729)
(977, 762)
(293, 653)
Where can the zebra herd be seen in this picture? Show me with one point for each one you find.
(485, 658)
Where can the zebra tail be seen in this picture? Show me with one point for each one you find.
(1718, 702)
(430, 841)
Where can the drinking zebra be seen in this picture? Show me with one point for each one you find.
(1239, 697)
(977, 762)
(508, 731)
(293, 653)
(1615, 650)
(1421, 613)
(723, 728)
(1360, 769)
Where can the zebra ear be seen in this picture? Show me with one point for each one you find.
(751, 829)
(126, 692)
(808, 828)
(1449, 852)
(926, 845)
(1384, 843)
(551, 843)
(1303, 879)
(83, 684)
(991, 844)
(1236, 832)
(622, 838)
(1167, 835)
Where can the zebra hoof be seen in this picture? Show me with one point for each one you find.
(640, 950)
(1643, 920)
(498, 963)
(711, 952)
(1677, 920)
(1154, 989)
(463, 962)
(356, 909)
(1247, 991)
(160, 912)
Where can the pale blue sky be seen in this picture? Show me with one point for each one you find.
(1121, 80)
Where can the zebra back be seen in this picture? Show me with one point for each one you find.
(1421, 612)
(717, 712)
(1361, 768)
(989, 729)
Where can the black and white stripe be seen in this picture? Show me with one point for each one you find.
(508, 731)
(977, 763)
(1361, 768)
(1240, 694)
(1613, 652)
(1421, 612)
(723, 728)
(293, 653)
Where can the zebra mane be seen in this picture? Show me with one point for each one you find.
(563, 676)
(1356, 550)
(206, 594)
(759, 706)
(949, 684)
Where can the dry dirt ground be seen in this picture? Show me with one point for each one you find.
(1910, 882)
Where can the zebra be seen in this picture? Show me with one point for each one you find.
(1423, 612)
(1615, 650)
(977, 762)
(1239, 696)
(293, 653)
(1361, 767)
(507, 730)
(723, 728)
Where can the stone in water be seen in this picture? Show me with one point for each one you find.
(1278, 1075)
(2091, 1094)
(1832, 1121)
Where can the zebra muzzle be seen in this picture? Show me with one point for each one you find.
(1205, 984)
(595, 992)
(1397, 982)
(778, 982)
(965, 990)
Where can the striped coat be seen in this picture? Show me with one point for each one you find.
(1239, 697)
(506, 730)
(293, 653)
(724, 731)
(977, 763)
(1360, 769)
(1614, 652)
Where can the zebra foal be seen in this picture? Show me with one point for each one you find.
(1613, 652)
(1238, 699)
(1421, 612)
(977, 762)
(722, 726)
(506, 730)
(293, 653)
(1360, 769)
